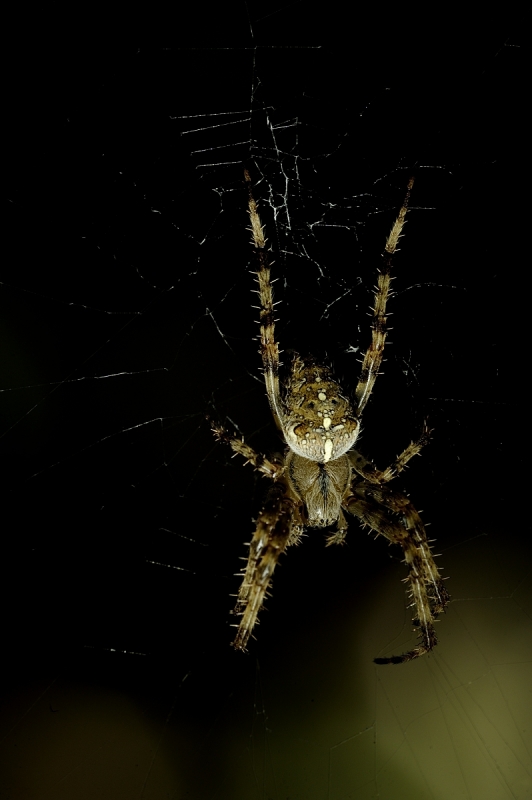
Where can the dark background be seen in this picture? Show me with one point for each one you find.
(126, 316)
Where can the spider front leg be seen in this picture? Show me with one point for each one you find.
(372, 504)
(278, 526)
(269, 348)
(373, 357)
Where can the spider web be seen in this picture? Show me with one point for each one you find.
(127, 315)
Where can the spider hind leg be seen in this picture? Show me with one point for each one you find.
(276, 529)
(391, 514)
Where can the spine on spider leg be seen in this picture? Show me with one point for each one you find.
(396, 231)
(269, 347)
(429, 597)
(433, 597)
(373, 357)
(391, 514)
(271, 468)
(271, 537)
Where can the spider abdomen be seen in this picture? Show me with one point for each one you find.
(319, 423)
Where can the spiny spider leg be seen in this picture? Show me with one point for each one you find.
(279, 525)
(406, 529)
(269, 468)
(373, 358)
(269, 348)
(274, 532)
(369, 471)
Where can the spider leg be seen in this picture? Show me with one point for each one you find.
(372, 505)
(269, 348)
(373, 357)
(413, 449)
(369, 471)
(278, 525)
(271, 469)
(338, 537)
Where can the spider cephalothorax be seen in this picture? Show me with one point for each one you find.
(321, 474)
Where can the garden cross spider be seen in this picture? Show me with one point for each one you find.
(321, 475)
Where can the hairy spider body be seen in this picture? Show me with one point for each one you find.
(321, 475)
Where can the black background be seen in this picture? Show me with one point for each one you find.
(127, 257)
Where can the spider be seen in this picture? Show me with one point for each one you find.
(321, 475)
